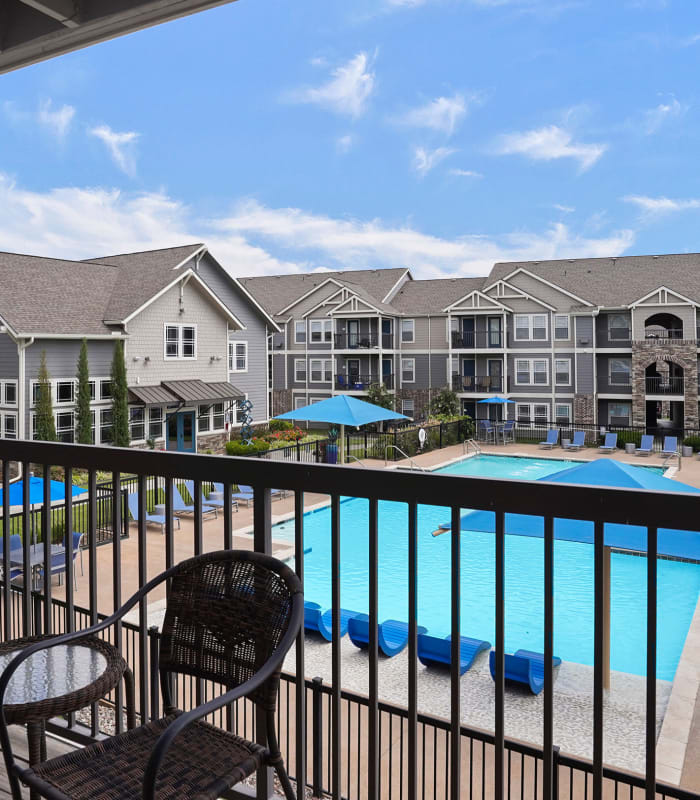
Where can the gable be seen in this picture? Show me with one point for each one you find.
(355, 305)
(516, 297)
(299, 306)
(536, 287)
(663, 297)
(476, 301)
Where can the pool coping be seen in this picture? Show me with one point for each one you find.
(672, 744)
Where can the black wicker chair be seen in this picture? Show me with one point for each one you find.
(231, 618)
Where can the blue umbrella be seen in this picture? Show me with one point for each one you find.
(36, 491)
(342, 410)
(496, 399)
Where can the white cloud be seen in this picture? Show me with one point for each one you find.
(466, 173)
(424, 160)
(657, 206)
(346, 92)
(656, 117)
(121, 146)
(550, 143)
(564, 209)
(343, 144)
(254, 240)
(56, 121)
(442, 114)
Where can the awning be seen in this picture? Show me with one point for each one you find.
(152, 396)
(190, 391)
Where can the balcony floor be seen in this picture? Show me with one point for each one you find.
(54, 748)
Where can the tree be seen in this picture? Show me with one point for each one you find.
(445, 404)
(120, 399)
(45, 424)
(380, 396)
(83, 422)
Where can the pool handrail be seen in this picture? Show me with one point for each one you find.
(413, 464)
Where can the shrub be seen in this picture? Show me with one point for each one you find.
(238, 448)
(280, 425)
(692, 441)
(626, 437)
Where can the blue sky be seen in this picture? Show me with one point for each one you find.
(442, 135)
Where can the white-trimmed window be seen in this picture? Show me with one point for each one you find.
(238, 356)
(9, 426)
(321, 330)
(105, 389)
(321, 370)
(300, 370)
(8, 395)
(408, 330)
(620, 371)
(155, 422)
(562, 371)
(408, 370)
(218, 417)
(562, 413)
(619, 327)
(65, 391)
(65, 426)
(407, 407)
(530, 327)
(203, 419)
(619, 413)
(180, 341)
(299, 402)
(300, 331)
(106, 429)
(536, 413)
(561, 327)
(531, 371)
(137, 424)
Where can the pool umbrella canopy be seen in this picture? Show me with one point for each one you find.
(496, 399)
(342, 410)
(36, 491)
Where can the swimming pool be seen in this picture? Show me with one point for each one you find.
(678, 582)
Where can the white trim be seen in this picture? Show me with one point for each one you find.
(658, 290)
(550, 284)
(531, 371)
(498, 306)
(413, 361)
(325, 323)
(232, 358)
(530, 327)
(309, 293)
(356, 300)
(568, 405)
(324, 362)
(329, 301)
(413, 327)
(620, 403)
(300, 361)
(556, 382)
(530, 412)
(569, 327)
(306, 331)
(179, 326)
(521, 293)
(397, 286)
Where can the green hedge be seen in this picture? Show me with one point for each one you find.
(238, 448)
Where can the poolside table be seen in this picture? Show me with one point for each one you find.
(36, 559)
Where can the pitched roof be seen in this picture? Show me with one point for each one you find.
(431, 296)
(613, 282)
(275, 292)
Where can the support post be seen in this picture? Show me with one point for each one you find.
(607, 610)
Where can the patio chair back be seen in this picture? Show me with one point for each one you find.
(509, 426)
(552, 436)
(15, 542)
(670, 444)
(226, 614)
(610, 441)
(647, 442)
(579, 438)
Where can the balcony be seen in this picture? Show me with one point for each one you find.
(361, 382)
(476, 340)
(338, 740)
(477, 383)
(356, 341)
(615, 383)
(657, 385)
(663, 335)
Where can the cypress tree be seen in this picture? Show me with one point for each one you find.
(120, 399)
(45, 424)
(83, 422)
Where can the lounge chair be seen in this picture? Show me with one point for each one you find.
(552, 439)
(578, 442)
(207, 500)
(433, 650)
(180, 507)
(670, 446)
(15, 547)
(322, 621)
(245, 494)
(646, 445)
(609, 444)
(392, 634)
(153, 519)
(524, 666)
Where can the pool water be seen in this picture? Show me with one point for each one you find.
(678, 582)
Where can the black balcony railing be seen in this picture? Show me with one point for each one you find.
(662, 334)
(472, 340)
(361, 381)
(335, 741)
(477, 383)
(356, 341)
(658, 385)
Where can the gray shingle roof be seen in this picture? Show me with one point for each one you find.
(613, 282)
(428, 297)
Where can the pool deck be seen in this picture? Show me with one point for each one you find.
(573, 688)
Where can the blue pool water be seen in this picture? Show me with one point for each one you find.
(678, 587)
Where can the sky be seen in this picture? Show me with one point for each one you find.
(441, 135)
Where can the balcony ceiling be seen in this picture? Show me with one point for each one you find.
(36, 30)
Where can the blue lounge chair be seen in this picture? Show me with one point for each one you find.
(154, 519)
(322, 621)
(552, 439)
(646, 445)
(180, 507)
(207, 500)
(392, 634)
(670, 446)
(578, 442)
(432, 651)
(609, 444)
(245, 494)
(524, 666)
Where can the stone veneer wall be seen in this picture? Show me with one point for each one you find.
(584, 409)
(649, 352)
(281, 401)
(421, 399)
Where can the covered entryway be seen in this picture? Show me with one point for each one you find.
(181, 432)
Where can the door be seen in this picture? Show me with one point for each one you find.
(353, 332)
(467, 331)
(387, 365)
(495, 369)
(387, 338)
(469, 408)
(353, 365)
(494, 324)
(181, 432)
(468, 373)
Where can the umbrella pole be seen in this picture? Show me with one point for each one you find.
(342, 445)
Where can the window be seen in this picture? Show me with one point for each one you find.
(321, 330)
(65, 391)
(535, 413)
(321, 370)
(9, 426)
(619, 413)
(300, 370)
(299, 402)
(105, 389)
(155, 423)
(300, 332)
(218, 417)
(106, 425)
(522, 412)
(620, 371)
(562, 371)
(562, 413)
(407, 407)
(238, 356)
(531, 371)
(35, 392)
(408, 330)
(618, 326)
(65, 426)
(137, 424)
(561, 326)
(93, 388)
(203, 419)
(540, 413)
(530, 327)
(408, 370)
(180, 341)
(240, 414)
(9, 394)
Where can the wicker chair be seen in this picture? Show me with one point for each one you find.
(231, 618)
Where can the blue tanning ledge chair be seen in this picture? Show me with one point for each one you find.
(524, 666)
(322, 621)
(434, 651)
(392, 634)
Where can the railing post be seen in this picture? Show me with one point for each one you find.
(316, 736)
(37, 613)
(441, 436)
(298, 451)
(365, 444)
(153, 636)
(555, 772)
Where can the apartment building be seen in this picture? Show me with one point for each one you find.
(599, 341)
(195, 344)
